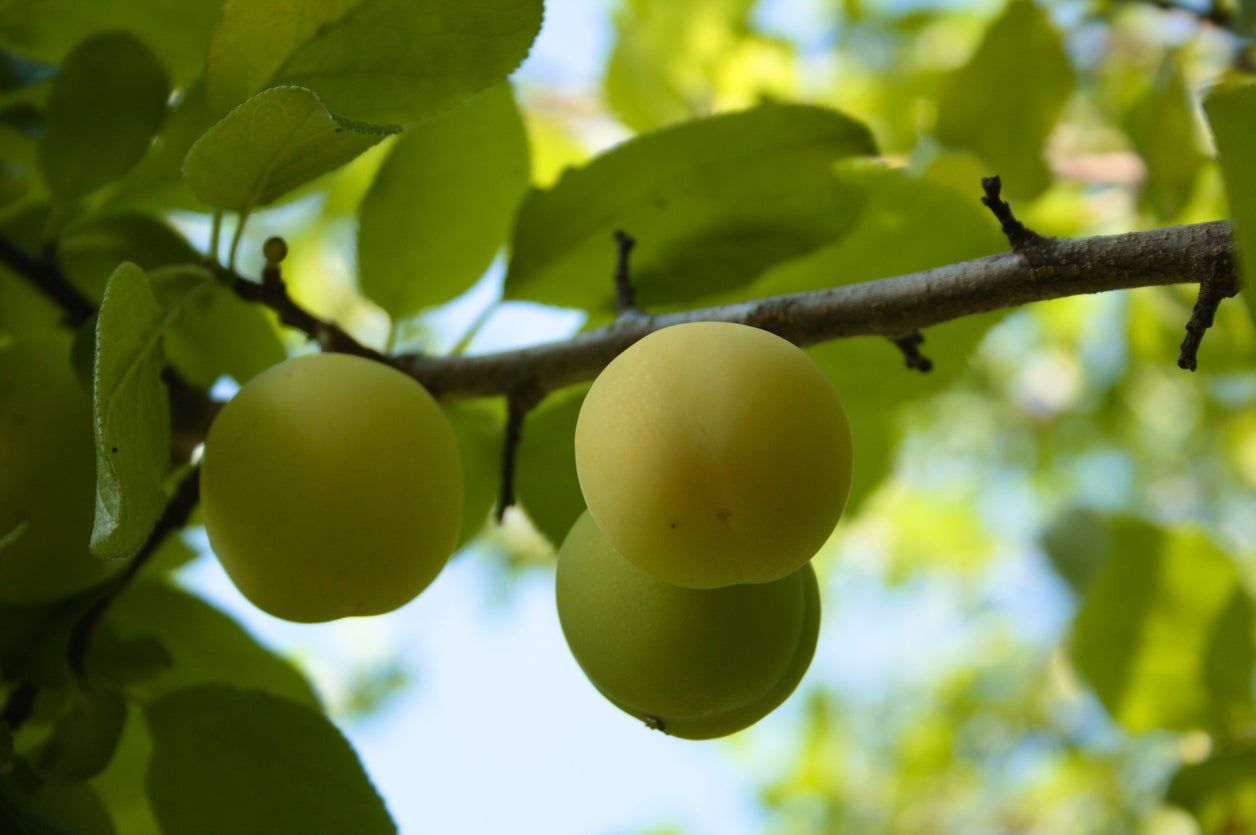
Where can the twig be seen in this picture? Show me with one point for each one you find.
(1220, 284)
(521, 401)
(272, 292)
(175, 516)
(910, 344)
(625, 296)
(1022, 239)
(45, 276)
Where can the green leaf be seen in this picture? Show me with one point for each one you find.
(84, 738)
(279, 139)
(1076, 542)
(383, 62)
(20, 816)
(216, 332)
(1219, 792)
(1231, 109)
(674, 60)
(156, 183)
(240, 761)
(392, 62)
(255, 37)
(442, 204)
(478, 430)
(47, 29)
(1161, 124)
(712, 203)
(131, 414)
(121, 784)
(1004, 102)
(89, 252)
(545, 473)
(205, 646)
(1165, 632)
(76, 807)
(943, 227)
(107, 101)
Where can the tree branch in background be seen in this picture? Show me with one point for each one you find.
(173, 518)
(1221, 284)
(45, 276)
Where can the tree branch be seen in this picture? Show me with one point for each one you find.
(888, 307)
(45, 276)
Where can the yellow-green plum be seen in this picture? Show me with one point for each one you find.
(47, 476)
(694, 663)
(331, 487)
(713, 454)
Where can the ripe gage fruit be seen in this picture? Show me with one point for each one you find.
(712, 453)
(47, 476)
(331, 487)
(697, 663)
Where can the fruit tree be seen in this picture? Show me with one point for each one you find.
(871, 382)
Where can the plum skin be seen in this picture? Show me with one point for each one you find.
(47, 476)
(331, 487)
(694, 663)
(713, 453)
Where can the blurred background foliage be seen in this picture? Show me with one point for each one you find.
(1038, 610)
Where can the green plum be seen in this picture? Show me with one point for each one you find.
(713, 454)
(694, 663)
(331, 487)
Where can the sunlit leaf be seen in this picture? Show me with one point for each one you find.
(1231, 109)
(711, 202)
(47, 29)
(131, 414)
(381, 62)
(674, 60)
(216, 332)
(106, 103)
(442, 204)
(240, 761)
(1162, 127)
(279, 139)
(1220, 792)
(1005, 101)
(1165, 632)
